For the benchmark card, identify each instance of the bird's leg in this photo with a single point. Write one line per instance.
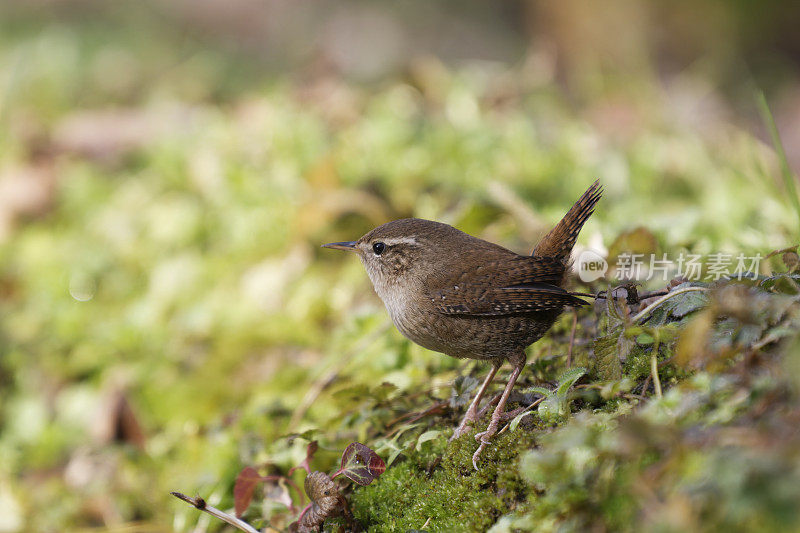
(497, 415)
(471, 416)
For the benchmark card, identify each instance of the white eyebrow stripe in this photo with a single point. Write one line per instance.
(400, 240)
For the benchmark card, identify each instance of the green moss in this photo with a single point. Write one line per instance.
(451, 496)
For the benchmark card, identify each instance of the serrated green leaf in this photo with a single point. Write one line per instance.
(572, 374)
(544, 391)
(659, 316)
(683, 304)
(606, 355)
(568, 379)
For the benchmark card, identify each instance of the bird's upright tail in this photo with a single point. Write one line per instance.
(559, 242)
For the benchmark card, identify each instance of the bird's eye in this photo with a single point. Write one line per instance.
(378, 248)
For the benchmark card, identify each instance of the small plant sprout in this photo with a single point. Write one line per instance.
(554, 403)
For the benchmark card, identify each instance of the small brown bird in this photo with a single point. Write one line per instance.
(468, 298)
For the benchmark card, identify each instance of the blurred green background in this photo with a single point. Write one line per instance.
(168, 170)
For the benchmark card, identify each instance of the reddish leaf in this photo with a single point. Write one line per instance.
(361, 464)
(243, 489)
(376, 465)
(310, 451)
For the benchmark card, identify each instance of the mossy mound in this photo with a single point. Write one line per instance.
(438, 488)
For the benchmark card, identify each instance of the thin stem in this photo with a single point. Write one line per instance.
(303, 512)
(654, 368)
(572, 338)
(201, 504)
(786, 171)
(646, 311)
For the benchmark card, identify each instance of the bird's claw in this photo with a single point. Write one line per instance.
(477, 454)
(483, 437)
(460, 430)
(470, 417)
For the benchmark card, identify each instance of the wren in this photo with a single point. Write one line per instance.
(468, 298)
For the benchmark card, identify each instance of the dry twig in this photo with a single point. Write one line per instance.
(201, 504)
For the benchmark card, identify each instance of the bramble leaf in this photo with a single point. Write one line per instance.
(607, 358)
(462, 389)
(685, 303)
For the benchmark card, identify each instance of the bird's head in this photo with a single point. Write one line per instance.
(401, 251)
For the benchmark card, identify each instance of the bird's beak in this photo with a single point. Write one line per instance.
(348, 246)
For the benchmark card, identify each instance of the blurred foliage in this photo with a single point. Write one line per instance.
(167, 316)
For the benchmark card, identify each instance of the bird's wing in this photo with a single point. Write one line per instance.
(508, 286)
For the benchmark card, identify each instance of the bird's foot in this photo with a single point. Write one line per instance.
(469, 419)
(483, 438)
(460, 430)
(472, 415)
